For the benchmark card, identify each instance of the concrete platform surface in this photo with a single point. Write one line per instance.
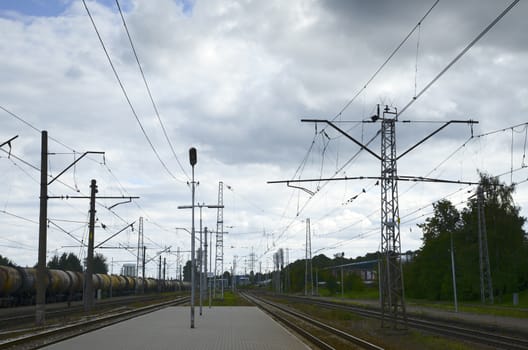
(226, 328)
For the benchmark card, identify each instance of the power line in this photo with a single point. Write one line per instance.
(462, 53)
(31, 125)
(126, 95)
(386, 61)
(148, 90)
(18, 216)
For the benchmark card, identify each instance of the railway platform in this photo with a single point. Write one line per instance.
(221, 327)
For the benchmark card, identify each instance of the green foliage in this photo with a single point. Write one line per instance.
(68, 262)
(429, 275)
(330, 279)
(6, 261)
(99, 264)
(187, 272)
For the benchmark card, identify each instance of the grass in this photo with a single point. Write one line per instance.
(231, 299)
(504, 308)
(367, 293)
(369, 329)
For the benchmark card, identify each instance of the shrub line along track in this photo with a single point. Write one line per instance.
(441, 328)
(268, 305)
(51, 336)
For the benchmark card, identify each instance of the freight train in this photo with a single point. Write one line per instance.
(18, 285)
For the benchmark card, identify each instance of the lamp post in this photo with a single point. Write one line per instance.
(203, 257)
(192, 160)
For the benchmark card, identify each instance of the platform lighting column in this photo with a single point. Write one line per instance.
(200, 288)
(205, 285)
(192, 160)
(210, 266)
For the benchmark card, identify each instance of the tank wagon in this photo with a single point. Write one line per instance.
(18, 285)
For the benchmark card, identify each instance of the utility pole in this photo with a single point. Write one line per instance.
(164, 270)
(178, 266)
(393, 301)
(486, 286)
(308, 260)
(390, 275)
(139, 254)
(206, 285)
(210, 267)
(342, 284)
(200, 289)
(143, 270)
(192, 160)
(40, 317)
(219, 259)
(42, 278)
(317, 281)
(159, 275)
(201, 256)
(233, 274)
(89, 292)
(453, 271)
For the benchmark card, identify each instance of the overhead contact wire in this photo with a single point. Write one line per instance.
(462, 53)
(148, 90)
(126, 95)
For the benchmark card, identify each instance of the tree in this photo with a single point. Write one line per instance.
(71, 262)
(67, 262)
(54, 262)
(6, 261)
(506, 238)
(429, 274)
(99, 264)
(187, 272)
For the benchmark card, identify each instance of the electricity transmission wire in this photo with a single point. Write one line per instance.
(127, 97)
(471, 44)
(364, 87)
(385, 62)
(462, 53)
(148, 89)
(406, 218)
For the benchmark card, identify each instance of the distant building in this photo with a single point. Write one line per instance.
(128, 270)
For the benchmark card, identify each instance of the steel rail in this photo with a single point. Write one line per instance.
(55, 335)
(28, 314)
(442, 328)
(341, 334)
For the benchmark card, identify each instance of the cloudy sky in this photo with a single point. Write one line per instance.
(234, 79)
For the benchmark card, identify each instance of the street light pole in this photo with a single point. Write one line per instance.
(200, 289)
(192, 159)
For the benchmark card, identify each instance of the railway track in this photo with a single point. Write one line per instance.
(16, 316)
(50, 336)
(287, 315)
(466, 333)
(13, 317)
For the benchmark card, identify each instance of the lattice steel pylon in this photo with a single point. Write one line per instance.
(392, 296)
(139, 255)
(486, 286)
(219, 256)
(391, 276)
(308, 272)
